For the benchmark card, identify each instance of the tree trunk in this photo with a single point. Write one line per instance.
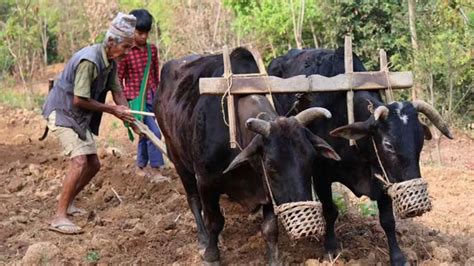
(436, 135)
(300, 24)
(315, 39)
(451, 85)
(416, 90)
(216, 25)
(295, 26)
(44, 40)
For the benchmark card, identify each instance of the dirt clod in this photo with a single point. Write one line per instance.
(34, 169)
(15, 185)
(442, 254)
(40, 253)
(19, 219)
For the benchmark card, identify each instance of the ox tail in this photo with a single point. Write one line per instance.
(45, 134)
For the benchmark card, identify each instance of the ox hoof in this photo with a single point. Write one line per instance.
(215, 263)
(203, 242)
(398, 260)
(211, 255)
(274, 262)
(332, 247)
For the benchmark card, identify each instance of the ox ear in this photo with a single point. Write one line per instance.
(245, 154)
(426, 131)
(356, 130)
(264, 116)
(323, 148)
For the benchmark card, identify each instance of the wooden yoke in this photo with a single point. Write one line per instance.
(348, 65)
(262, 72)
(229, 76)
(260, 83)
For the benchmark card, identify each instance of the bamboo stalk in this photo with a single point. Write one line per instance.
(141, 113)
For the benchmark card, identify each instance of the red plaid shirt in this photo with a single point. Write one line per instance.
(131, 69)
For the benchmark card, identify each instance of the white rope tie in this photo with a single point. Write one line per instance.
(386, 70)
(268, 185)
(383, 178)
(228, 78)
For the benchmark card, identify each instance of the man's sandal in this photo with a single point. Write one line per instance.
(63, 229)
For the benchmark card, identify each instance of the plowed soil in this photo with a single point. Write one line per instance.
(147, 222)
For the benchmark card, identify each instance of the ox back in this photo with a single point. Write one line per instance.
(196, 135)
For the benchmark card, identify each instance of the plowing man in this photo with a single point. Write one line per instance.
(74, 108)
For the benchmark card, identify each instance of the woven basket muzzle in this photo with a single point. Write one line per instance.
(302, 219)
(410, 198)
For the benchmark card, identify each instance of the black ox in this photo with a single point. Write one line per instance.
(395, 128)
(197, 140)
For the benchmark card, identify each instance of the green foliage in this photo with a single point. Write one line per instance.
(162, 14)
(340, 203)
(368, 208)
(443, 64)
(93, 256)
(6, 60)
(115, 125)
(20, 99)
(270, 23)
(372, 25)
(444, 28)
(446, 57)
(20, 37)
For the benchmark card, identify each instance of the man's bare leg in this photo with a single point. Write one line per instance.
(93, 167)
(77, 167)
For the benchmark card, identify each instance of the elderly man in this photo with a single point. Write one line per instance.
(74, 108)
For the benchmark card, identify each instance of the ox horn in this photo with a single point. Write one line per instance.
(307, 116)
(381, 112)
(259, 126)
(433, 116)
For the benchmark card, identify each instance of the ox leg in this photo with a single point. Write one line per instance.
(270, 233)
(190, 185)
(330, 212)
(387, 221)
(214, 221)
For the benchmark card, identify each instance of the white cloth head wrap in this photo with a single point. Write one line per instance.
(123, 25)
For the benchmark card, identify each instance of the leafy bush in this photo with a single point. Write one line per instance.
(340, 203)
(368, 208)
(92, 256)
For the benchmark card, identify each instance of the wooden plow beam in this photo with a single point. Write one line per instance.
(261, 83)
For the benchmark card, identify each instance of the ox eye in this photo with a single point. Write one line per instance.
(388, 146)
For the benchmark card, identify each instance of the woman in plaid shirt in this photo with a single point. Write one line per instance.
(130, 74)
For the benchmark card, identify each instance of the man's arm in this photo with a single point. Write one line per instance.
(119, 98)
(85, 73)
(122, 69)
(120, 111)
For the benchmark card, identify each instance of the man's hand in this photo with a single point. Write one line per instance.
(122, 112)
(137, 131)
